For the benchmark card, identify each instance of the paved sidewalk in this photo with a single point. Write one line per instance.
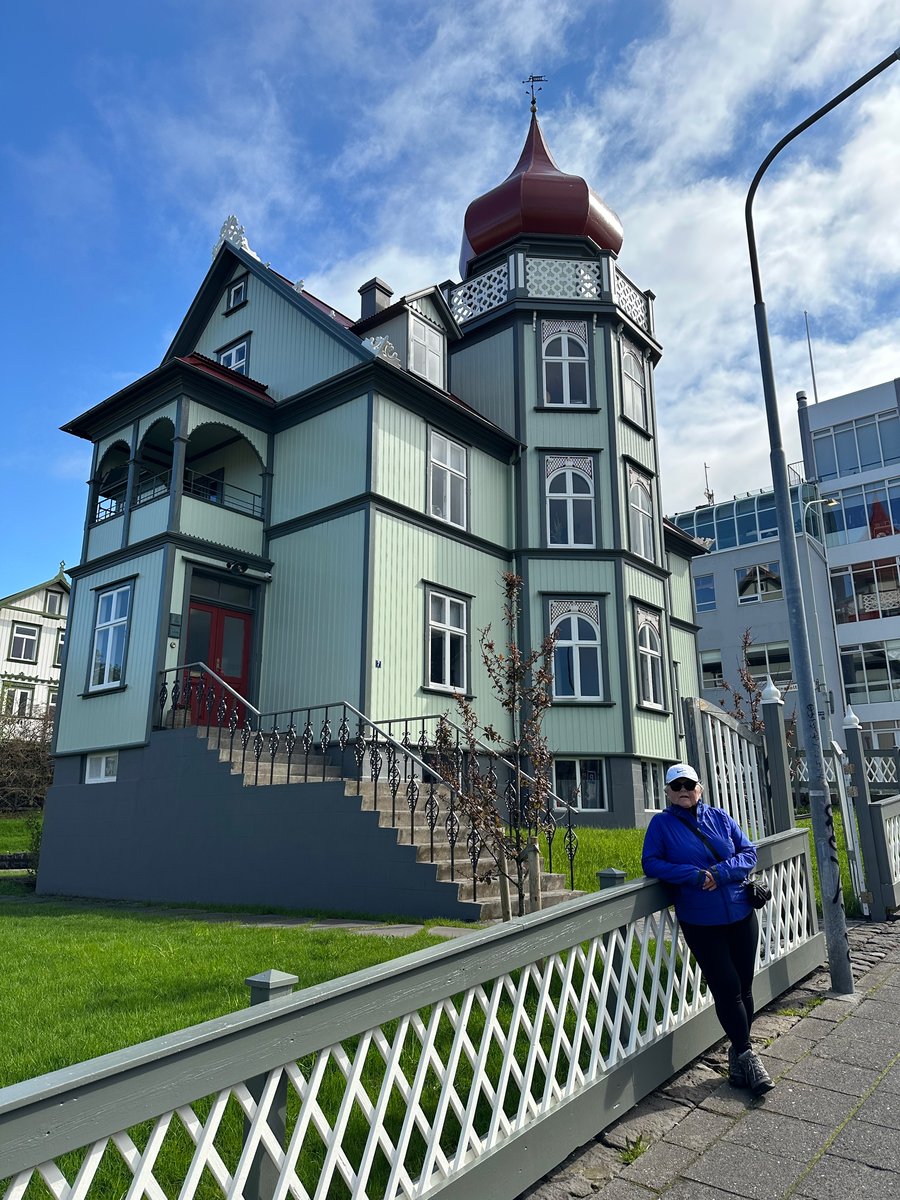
(828, 1131)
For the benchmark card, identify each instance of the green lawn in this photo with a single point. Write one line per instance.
(81, 983)
(13, 834)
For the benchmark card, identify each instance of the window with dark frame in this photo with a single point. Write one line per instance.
(237, 293)
(579, 782)
(17, 701)
(448, 469)
(53, 603)
(759, 582)
(23, 644)
(577, 665)
(634, 388)
(650, 672)
(640, 510)
(705, 593)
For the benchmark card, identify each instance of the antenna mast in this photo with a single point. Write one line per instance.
(710, 496)
(812, 365)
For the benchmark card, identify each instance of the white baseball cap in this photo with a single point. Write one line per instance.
(681, 771)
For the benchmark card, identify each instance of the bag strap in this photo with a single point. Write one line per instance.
(716, 857)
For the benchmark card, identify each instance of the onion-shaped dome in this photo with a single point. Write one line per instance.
(537, 198)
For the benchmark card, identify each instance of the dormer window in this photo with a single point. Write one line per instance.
(235, 356)
(426, 351)
(237, 294)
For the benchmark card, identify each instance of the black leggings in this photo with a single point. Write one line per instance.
(726, 954)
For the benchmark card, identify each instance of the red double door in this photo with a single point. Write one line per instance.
(220, 637)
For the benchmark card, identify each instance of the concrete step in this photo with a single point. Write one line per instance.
(280, 775)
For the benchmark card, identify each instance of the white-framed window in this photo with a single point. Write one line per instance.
(53, 603)
(101, 768)
(237, 293)
(650, 672)
(640, 514)
(426, 351)
(565, 362)
(770, 658)
(23, 644)
(653, 777)
(761, 581)
(711, 667)
(705, 593)
(579, 781)
(52, 703)
(236, 356)
(17, 701)
(447, 641)
(634, 388)
(60, 643)
(110, 637)
(577, 668)
(570, 501)
(447, 480)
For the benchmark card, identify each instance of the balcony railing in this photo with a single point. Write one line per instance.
(216, 491)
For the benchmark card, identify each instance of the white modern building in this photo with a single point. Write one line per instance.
(851, 444)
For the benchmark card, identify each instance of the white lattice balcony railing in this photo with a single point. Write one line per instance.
(399, 1080)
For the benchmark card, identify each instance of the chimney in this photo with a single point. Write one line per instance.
(376, 295)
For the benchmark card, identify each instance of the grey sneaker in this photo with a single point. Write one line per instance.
(736, 1075)
(758, 1079)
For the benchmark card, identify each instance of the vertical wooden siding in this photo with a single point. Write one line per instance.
(148, 520)
(483, 374)
(320, 461)
(201, 415)
(119, 719)
(105, 537)
(406, 559)
(212, 523)
(312, 641)
(289, 352)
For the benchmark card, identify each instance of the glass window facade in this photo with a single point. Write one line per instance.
(854, 446)
(871, 672)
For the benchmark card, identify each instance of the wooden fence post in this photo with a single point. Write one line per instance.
(263, 1177)
(777, 759)
(874, 858)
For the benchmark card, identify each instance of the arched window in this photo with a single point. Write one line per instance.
(565, 363)
(650, 675)
(640, 505)
(577, 673)
(634, 390)
(570, 502)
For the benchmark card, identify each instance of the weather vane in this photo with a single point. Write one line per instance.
(531, 81)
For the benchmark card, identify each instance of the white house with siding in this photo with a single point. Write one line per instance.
(32, 641)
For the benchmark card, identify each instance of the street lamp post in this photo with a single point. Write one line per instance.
(826, 502)
(819, 796)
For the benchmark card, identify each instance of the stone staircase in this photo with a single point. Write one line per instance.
(453, 867)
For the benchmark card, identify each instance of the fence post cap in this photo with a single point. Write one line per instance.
(771, 694)
(610, 877)
(851, 720)
(270, 985)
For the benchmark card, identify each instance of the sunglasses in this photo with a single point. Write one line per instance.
(684, 785)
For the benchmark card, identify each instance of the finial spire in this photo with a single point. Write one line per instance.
(531, 81)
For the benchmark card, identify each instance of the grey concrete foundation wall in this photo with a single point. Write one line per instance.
(178, 827)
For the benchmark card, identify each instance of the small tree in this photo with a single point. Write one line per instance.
(26, 768)
(746, 698)
(521, 680)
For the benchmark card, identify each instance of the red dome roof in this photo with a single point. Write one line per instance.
(537, 198)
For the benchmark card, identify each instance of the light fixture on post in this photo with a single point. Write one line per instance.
(819, 798)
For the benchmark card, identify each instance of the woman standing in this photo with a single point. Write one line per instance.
(706, 856)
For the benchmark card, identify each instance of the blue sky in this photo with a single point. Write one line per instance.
(349, 139)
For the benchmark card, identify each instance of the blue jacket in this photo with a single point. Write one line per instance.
(674, 854)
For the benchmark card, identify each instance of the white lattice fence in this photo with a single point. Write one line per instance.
(633, 301)
(397, 1081)
(892, 841)
(736, 777)
(480, 294)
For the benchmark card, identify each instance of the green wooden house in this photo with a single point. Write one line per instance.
(320, 508)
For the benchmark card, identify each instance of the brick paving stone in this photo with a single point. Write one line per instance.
(728, 1101)
(552, 1189)
(811, 1029)
(621, 1189)
(809, 1103)
(751, 1174)
(790, 1047)
(699, 1129)
(688, 1189)
(653, 1117)
(873, 1008)
(832, 1076)
(659, 1165)
(881, 1108)
(834, 1178)
(833, 1009)
(692, 1084)
(760, 1130)
(875, 1145)
(840, 1047)
(595, 1162)
(891, 1081)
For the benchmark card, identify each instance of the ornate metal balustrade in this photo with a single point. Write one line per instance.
(422, 732)
(417, 779)
(471, 1068)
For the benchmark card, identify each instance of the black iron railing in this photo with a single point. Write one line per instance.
(215, 491)
(510, 782)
